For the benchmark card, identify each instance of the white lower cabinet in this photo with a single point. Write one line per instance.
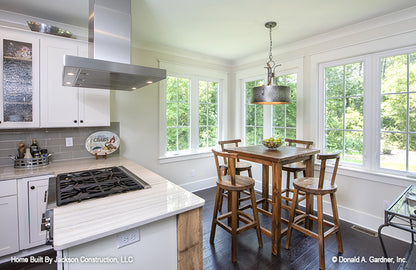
(9, 234)
(33, 195)
(155, 248)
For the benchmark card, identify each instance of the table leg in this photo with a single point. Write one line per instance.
(382, 243)
(276, 207)
(265, 187)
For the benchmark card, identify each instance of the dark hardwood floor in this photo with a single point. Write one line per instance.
(303, 253)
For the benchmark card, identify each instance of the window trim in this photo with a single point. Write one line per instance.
(193, 73)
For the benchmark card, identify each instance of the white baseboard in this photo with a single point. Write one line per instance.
(200, 184)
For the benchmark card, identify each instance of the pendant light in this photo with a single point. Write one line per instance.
(271, 94)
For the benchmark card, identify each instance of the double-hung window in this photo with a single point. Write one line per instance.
(178, 114)
(190, 110)
(398, 112)
(344, 97)
(369, 110)
(254, 124)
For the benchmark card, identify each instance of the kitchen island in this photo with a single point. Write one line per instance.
(166, 219)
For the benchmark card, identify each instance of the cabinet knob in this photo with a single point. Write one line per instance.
(81, 121)
(32, 187)
(75, 121)
(0, 122)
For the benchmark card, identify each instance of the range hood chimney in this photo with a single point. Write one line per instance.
(108, 65)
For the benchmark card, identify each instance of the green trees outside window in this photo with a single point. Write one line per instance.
(254, 125)
(398, 112)
(284, 116)
(178, 118)
(208, 114)
(344, 99)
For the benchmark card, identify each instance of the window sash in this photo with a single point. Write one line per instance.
(342, 96)
(255, 127)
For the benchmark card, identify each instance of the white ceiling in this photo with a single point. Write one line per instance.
(229, 29)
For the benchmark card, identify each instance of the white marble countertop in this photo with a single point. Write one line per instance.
(78, 223)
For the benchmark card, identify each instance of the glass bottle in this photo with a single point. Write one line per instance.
(34, 147)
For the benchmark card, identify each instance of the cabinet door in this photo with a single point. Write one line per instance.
(59, 104)
(94, 104)
(9, 234)
(37, 206)
(19, 80)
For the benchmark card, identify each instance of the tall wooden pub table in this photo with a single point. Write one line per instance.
(275, 158)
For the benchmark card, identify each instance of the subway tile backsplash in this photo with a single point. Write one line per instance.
(52, 139)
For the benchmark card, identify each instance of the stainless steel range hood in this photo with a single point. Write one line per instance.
(108, 65)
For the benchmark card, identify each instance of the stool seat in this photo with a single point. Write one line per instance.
(311, 185)
(242, 166)
(241, 183)
(294, 167)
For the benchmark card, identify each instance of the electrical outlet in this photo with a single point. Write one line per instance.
(128, 237)
(69, 142)
(192, 172)
(386, 204)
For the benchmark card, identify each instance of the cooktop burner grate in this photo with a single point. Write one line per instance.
(83, 185)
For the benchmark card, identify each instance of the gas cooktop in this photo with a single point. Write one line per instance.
(83, 185)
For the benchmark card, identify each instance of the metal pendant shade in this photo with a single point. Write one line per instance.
(270, 94)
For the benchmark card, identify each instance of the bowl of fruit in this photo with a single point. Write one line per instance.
(272, 143)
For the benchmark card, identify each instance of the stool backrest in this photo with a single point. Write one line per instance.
(231, 164)
(307, 144)
(324, 158)
(223, 143)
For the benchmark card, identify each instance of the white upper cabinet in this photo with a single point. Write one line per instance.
(31, 91)
(68, 106)
(19, 80)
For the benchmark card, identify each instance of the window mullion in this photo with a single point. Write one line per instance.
(177, 114)
(408, 113)
(343, 115)
(194, 111)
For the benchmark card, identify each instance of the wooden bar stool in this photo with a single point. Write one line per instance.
(234, 184)
(240, 166)
(317, 187)
(294, 168)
